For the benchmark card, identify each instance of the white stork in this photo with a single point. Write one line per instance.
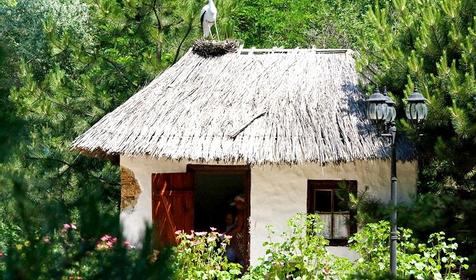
(208, 18)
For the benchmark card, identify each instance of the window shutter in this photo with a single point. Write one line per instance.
(172, 205)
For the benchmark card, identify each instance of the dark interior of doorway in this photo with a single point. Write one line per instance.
(214, 192)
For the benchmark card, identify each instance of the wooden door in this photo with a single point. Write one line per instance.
(172, 205)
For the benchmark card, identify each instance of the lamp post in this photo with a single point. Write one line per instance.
(381, 110)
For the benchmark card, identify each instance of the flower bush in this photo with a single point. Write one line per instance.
(202, 255)
(67, 253)
(299, 253)
(435, 260)
(106, 242)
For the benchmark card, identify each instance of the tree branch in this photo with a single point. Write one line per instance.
(159, 30)
(50, 159)
(118, 68)
(189, 29)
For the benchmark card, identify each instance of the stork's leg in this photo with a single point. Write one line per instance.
(216, 29)
(210, 31)
(206, 30)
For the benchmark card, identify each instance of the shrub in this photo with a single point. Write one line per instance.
(67, 254)
(202, 255)
(435, 260)
(297, 253)
(300, 253)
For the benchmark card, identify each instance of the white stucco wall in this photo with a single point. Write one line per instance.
(277, 192)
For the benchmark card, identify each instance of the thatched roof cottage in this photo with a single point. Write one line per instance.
(283, 129)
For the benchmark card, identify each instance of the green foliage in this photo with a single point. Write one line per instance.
(73, 250)
(298, 253)
(304, 23)
(430, 45)
(67, 64)
(10, 124)
(202, 255)
(435, 260)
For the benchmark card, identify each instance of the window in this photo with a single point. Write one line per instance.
(330, 199)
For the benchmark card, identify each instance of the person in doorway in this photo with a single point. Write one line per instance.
(238, 244)
(229, 221)
(229, 225)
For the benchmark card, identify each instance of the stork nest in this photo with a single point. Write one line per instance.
(207, 48)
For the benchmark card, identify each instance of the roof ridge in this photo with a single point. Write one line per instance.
(284, 50)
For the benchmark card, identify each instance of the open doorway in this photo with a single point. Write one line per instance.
(216, 188)
(214, 194)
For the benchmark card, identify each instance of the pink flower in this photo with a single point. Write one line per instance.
(105, 237)
(213, 228)
(67, 227)
(2, 254)
(106, 242)
(202, 233)
(46, 239)
(177, 232)
(128, 245)
(210, 239)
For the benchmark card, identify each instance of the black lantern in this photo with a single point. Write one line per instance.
(377, 107)
(381, 109)
(416, 109)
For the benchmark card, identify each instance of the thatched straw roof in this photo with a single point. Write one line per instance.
(252, 106)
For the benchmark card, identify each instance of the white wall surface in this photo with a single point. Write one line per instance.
(277, 192)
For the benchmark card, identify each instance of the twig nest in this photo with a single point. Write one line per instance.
(207, 48)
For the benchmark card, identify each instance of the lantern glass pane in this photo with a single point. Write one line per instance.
(407, 111)
(411, 112)
(425, 111)
(391, 114)
(381, 111)
(422, 111)
(372, 111)
(414, 112)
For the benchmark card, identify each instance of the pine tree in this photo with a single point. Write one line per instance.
(69, 63)
(430, 45)
(74, 62)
